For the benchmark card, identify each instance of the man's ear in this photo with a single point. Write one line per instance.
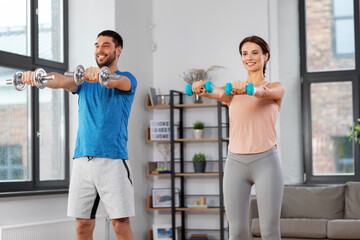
(118, 51)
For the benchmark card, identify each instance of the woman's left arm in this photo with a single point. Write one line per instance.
(273, 90)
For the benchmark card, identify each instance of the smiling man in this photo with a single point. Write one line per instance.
(101, 169)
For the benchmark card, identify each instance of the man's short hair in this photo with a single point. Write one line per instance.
(117, 39)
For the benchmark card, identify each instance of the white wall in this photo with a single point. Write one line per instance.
(289, 74)
(198, 34)
(133, 20)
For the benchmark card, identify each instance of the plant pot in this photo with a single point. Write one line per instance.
(198, 133)
(199, 167)
(197, 99)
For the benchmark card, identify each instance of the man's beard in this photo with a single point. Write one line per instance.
(108, 62)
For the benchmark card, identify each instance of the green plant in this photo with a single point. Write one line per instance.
(195, 74)
(355, 132)
(199, 125)
(199, 157)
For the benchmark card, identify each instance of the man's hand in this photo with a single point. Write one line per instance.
(28, 78)
(92, 74)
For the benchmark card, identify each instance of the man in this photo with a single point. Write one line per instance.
(101, 167)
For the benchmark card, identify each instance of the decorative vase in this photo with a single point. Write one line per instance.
(198, 133)
(197, 99)
(199, 167)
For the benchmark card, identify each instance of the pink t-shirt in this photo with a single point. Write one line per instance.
(252, 124)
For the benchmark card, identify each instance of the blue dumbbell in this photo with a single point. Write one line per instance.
(208, 87)
(249, 89)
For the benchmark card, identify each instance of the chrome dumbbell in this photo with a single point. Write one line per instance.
(78, 74)
(105, 76)
(16, 81)
(41, 78)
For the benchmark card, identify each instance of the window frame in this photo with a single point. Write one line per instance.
(307, 78)
(35, 186)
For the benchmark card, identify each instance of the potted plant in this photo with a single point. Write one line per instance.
(198, 129)
(195, 74)
(199, 161)
(355, 132)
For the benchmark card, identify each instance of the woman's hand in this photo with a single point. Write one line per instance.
(238, 88)
(198, 87)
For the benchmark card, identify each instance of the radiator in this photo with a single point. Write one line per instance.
(49, 230)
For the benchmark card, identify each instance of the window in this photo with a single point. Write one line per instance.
(343, 26)
(34, 122)
(330, 44)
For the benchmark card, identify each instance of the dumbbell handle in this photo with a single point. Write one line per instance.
(9, 82)
(114, 77)
(69, 74)
(48, 77)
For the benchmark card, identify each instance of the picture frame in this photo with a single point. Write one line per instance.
(152, 96)
(161, 197)
(162, 232)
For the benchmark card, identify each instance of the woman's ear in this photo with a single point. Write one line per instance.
(266, 57)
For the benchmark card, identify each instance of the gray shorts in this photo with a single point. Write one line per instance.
(95, 178)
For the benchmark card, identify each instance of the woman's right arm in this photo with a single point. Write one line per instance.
(217, 94)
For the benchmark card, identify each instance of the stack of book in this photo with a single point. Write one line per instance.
(198, 237)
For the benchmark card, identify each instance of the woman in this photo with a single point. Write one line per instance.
(253, 156)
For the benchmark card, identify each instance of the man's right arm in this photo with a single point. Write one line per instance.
(59, 81)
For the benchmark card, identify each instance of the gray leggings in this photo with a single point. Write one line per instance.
(241, 172)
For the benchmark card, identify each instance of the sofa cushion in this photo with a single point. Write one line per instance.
(343, 229)
(296, 228)
(313, 202)
(352, 200)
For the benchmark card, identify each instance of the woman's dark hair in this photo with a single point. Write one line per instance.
(259, 41)
(117, 39)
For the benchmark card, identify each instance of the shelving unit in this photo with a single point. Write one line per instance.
(179, 162)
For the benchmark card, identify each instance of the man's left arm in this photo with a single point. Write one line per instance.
(123, 84)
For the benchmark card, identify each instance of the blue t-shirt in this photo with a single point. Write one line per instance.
(103, 119)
